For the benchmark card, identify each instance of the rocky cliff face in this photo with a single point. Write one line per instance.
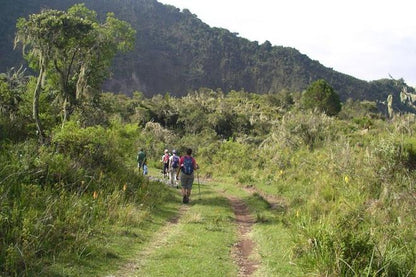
(404, 102)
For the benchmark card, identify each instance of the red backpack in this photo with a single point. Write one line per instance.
(166, 158)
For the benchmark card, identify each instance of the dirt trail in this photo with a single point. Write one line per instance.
(243, 249)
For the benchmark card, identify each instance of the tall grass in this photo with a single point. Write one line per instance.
(348, 186)
(350, 191)
(56, 200)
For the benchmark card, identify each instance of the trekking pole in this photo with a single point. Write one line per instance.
(199, 186)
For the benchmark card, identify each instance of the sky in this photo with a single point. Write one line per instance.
(367, 39)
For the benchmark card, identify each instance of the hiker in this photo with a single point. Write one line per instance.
(187, 167)
(173, 168)
(141, 159)
(145, 169)
(165, 163)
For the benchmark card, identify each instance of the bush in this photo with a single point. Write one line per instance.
(56, 198)
(322, 97)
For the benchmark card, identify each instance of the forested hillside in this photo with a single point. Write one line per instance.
(176, 52)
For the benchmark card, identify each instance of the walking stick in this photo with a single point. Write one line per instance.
(199, 186)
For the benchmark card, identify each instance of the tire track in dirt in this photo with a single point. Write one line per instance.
(159, 240)
(243, 249)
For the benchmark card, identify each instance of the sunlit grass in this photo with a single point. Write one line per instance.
(198, 245)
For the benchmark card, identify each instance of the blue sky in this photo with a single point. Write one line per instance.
(367, 39)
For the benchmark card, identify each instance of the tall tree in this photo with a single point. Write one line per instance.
(321, 96)
(71, 50)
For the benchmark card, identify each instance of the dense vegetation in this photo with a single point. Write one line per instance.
(71, 51)
(345, 183)
(176, 52)
(344, 180)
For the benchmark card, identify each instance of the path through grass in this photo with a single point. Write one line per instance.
(198, 244)
(201, 239)
(270, 234)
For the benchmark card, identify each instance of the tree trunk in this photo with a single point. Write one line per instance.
(64, 75)
(65, 109)
(81, 83)
(36, 96)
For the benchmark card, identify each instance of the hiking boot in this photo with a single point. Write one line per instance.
(184, 199)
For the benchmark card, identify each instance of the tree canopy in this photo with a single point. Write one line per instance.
(72, 51)
(321, 96)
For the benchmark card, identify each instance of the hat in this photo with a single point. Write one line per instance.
(174, 151)
(166, 150)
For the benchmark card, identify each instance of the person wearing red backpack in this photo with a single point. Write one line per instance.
(165, 163)
(187, 167)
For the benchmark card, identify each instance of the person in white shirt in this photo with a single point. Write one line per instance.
(173, 168)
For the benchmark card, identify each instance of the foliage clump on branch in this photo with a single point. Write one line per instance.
(322, 97)
(72, 52)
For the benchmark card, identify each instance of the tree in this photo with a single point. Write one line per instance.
(72, 51)
(12, 86)
(321, 96)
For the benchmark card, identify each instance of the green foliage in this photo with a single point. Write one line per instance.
(348, 208)
(301, 129)
(322, 97)
(12, 86)
(360, 111)
(13, 118)
(72, 52)
(346, 184)
(56, 199)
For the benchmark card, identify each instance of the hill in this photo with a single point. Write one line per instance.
(176, 52)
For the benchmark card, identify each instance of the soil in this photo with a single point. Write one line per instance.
(245, 246)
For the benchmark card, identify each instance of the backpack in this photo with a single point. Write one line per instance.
(175, 161)
(188, 166)
(141, 156)
(166, 158)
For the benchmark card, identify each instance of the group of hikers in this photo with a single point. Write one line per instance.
(175, 168)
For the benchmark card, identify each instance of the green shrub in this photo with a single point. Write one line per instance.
(322, 97)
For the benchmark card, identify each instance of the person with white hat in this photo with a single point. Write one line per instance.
(165, 163)
(173, 167)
